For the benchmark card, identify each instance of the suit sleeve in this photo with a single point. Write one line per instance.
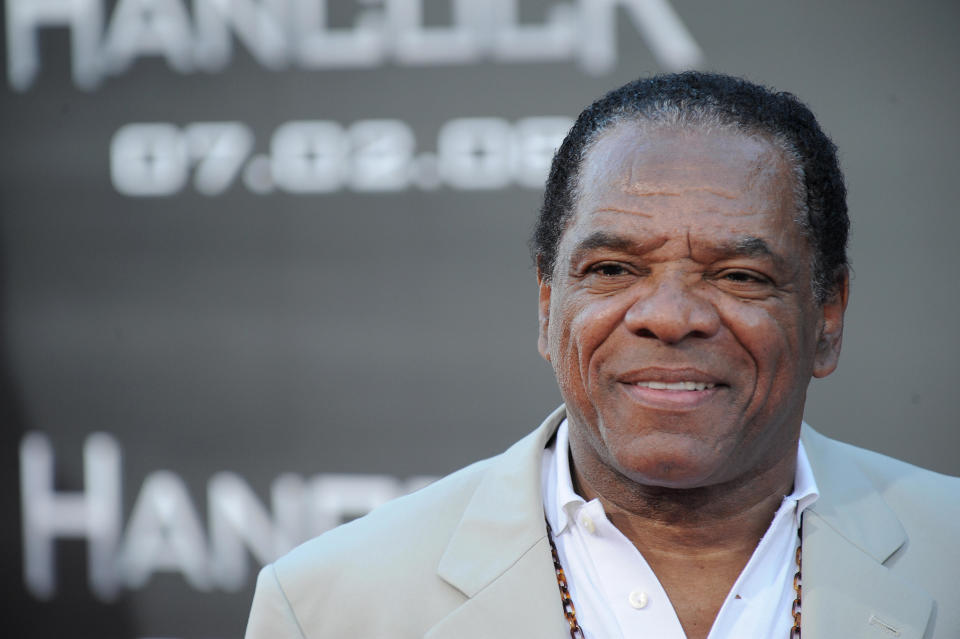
(271, 616)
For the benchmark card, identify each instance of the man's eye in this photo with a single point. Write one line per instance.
(743, 277)
(609, 269)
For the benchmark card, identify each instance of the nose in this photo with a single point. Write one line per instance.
(670, 310)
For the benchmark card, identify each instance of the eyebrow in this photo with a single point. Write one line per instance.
(751, 246)
(745, 246)
(604, 240)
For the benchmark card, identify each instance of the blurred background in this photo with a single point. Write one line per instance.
(264, 262)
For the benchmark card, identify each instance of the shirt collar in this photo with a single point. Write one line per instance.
(566, 500)
(561, 501)
(805, 490)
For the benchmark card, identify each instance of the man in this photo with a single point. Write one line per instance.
(692, 271)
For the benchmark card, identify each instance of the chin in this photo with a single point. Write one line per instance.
(668, 475)
(676, 469)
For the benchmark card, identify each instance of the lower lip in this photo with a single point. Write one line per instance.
(674, 399)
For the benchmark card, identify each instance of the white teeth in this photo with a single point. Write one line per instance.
(688, 386)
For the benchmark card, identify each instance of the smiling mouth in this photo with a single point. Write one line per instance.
(672, 390)
(677, 386)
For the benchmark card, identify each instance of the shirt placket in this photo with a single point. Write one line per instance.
(632, 592)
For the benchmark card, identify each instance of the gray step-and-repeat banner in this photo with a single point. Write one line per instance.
(264, 262)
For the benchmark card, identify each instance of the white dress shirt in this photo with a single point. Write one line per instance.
(615, 592)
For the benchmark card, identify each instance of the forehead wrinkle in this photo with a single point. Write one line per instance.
(635, 189)
(615, 209)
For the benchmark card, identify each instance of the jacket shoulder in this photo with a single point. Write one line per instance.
(907, 488)
(423, 517)
(365, 578)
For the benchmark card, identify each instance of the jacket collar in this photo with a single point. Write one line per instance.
(499, 555)
(850, 503)
(507, 507)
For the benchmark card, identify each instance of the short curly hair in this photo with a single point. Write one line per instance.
(712, 101)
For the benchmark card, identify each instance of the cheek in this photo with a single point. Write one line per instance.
(577, 339)
(774, 336)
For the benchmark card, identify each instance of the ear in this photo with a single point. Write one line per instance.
(543, 315)
(831, 330)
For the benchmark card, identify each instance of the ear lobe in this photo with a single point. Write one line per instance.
(831, 330)
(543, 316)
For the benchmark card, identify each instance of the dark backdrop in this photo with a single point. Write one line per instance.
(284, 276)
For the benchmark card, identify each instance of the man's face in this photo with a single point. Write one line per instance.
(680, 318)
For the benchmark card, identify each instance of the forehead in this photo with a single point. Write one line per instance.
(707, 179)
(639, 159)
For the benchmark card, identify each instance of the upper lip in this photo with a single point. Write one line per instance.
(669, 375)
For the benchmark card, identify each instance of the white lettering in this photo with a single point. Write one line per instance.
(382, 154)
(149, 159)
(460, 43)
(93, 514)
(320, 47)
(164, 534)
(555, 40)
(476, 153)
(664, 32)
(280, 32)
(219, 150)
(309, 156)
(154, 159)
(84, 18)
(238, 521)
(149, 27)
(259, 25)
(538, 139)
(666, 35)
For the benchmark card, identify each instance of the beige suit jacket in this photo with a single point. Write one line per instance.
(468, 557)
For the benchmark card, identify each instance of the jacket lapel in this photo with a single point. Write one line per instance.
(499, 556)
(848, 534)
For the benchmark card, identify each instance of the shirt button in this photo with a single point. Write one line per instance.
(588, 524)
(638, 599)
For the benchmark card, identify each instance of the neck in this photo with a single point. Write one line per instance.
(708, 532)
(731, 516)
